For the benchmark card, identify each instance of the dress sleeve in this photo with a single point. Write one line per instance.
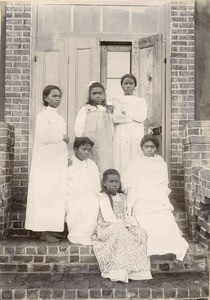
(47, 132)
(119, 116)
(139, 112)
(80, 121)
(106, 209)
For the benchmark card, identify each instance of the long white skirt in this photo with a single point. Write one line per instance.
(164, 235)
(46, 193)
(126, 142)
(81, 218)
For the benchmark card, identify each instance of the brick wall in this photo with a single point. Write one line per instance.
(182, 87)
(196, 153)
(17, 88)
(201, 195)
(6, 172)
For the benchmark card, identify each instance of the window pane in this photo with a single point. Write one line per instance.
(56, 18)
(144, 19)
(116, 19)
(118, 64)
(86, 18)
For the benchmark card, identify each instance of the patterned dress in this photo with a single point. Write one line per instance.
(120, 251)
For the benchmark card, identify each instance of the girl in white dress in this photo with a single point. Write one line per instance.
(82, 188)
(120, 248)
(129, 114)
(94, 121)
(145, 182)
(45, 211)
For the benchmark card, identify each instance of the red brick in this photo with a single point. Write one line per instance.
(19, 294)
(32, 294)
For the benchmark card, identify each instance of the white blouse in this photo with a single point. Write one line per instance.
(50, 126)
(82, 117)
(106, 208)
(129, 109)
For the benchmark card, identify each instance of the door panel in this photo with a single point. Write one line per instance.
(150, 69)
(84, 66)
(50, 68)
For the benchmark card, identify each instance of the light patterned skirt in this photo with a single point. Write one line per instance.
(121, 252)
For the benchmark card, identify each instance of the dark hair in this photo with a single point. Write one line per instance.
(104, 178)
(129, 76)
(148, 138)
(47, 91)
(82, 141)
(95, 85)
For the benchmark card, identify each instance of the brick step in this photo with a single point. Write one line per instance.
(92, 286)
(35, 256)
(17, 223)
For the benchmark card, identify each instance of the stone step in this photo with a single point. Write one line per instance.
(17, 223)
(35, 256)
(92, 286)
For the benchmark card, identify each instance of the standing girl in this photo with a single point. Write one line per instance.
(120, 248)
(46, 193)
(94, 121)
(129, 114)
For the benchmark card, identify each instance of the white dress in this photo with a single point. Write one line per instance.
(120, 251)
(82, 207)
(146, 183)
(129, 114)
(46, 192)
(96, 124)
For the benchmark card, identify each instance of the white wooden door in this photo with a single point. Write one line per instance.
(84, 66)
(51, 63)
(149, 67)
(50, 67)
(70, 64)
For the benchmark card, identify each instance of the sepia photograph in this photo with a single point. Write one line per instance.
(105, 149)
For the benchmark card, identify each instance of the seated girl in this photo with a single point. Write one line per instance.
(120, 248)
(83, 186)
(145, 182)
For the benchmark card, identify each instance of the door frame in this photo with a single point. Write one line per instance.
(167, 87)
(32, 102)
(114, 47)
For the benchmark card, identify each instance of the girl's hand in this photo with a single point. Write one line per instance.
(110, 108)
(69, 162)
(66, 138)
(127, 225)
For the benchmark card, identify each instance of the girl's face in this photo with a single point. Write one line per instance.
(149, 149)
(83, 151)
(54, 98)
(97, 95)
(112, 183)
(128, 86)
